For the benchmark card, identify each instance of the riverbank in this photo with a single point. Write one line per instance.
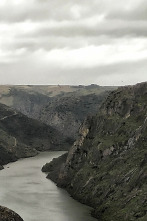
(8, 215)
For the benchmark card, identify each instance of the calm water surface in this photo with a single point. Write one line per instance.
(25, 189)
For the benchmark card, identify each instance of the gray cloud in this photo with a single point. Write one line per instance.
(137, 13)
(73, 41)
(112, 29)
(39, 10)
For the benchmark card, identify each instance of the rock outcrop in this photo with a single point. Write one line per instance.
(1, 167)
(107, 166)
(8, 215)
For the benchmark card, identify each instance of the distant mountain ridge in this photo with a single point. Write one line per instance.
(62, 107)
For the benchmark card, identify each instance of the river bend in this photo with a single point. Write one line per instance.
(25, 189)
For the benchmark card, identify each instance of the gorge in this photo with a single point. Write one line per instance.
(22, 136)
(106, 164)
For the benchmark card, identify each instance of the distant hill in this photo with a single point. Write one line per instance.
(53, 90)
(62, 107)
(21, 136)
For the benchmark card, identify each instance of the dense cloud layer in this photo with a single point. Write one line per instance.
(73, 42)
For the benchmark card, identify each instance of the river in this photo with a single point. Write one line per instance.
(25, 189)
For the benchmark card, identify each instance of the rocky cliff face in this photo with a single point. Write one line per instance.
(62, 107)
(66, 114)
(8, 215)
(21, 136)
(107, 166)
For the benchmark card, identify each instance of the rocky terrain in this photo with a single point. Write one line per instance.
(21, 136)
(66, 114)
(106, 167)
(8, 215)
(56, 105)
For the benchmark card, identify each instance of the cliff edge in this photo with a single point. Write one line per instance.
(106, 167)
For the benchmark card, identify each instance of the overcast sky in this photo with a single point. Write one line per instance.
(73, 41)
